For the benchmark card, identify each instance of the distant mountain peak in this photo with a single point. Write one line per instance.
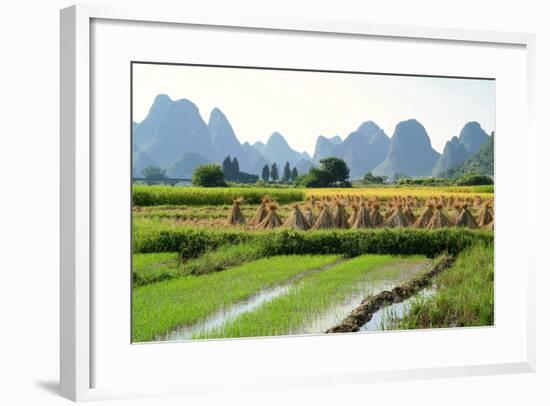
(276, 149)
(185, 103)
(276, 137)
(324, 146)
(144, 132)
(472, 125)
(365, 131)
(412, 129)
(453, 154)
(368, 127)
(276, 140)
(363, 149)
(225, 142)
(220, 130)
(162, 98)
(217, 114)
(177, 128)
(473, 136)
(410, 151)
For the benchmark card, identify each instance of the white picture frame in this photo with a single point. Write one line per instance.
(77, 283)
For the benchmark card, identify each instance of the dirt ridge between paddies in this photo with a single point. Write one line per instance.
(364, 312)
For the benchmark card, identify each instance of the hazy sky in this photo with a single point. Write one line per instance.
(303, 105)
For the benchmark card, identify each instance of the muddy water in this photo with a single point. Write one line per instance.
(219, 318)
(386, 315)
(230, 313)
(333, 316)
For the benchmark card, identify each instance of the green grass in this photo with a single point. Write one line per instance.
(224, 257)
(164, 236)
(207, 250)
(145, 195)
(156, 267)
(160, 307)
(314, 294)
(480, 189)
(465, 295)
(160, 236)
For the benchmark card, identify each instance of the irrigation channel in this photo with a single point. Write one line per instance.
(385, 315)
(398, 299)
(350, 315)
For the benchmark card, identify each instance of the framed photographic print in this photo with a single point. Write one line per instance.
(252, 201)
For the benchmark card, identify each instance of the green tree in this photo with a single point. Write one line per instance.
(473, 179)
(153, 174)
(370, 179)
(227, 167)
(287, 173)
(265, 173)
(209, 175)
(235, 167)
(337, 168)
(231, 168)
(398, 177)
(316, 177)
(274, 172)
(294, 174)
(482, 162)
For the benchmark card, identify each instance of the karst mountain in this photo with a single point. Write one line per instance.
(174, 136)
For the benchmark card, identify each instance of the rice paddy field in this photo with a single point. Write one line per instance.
(247, 262)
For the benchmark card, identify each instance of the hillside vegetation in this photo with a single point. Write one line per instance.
(481, 162)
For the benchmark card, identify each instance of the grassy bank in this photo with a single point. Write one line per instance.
(314, 295)
(465, 294)
(160, 307)
(144, 195)
(156, 267)
(159, 236)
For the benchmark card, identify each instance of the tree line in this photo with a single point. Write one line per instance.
(214, 175)
(332, 172)
(271, 173)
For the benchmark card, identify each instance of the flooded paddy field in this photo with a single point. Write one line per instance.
(281, 296)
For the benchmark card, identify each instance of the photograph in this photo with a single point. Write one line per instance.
(275, 201)
(243, 203)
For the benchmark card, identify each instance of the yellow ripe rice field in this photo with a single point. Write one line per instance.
(414, 191)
